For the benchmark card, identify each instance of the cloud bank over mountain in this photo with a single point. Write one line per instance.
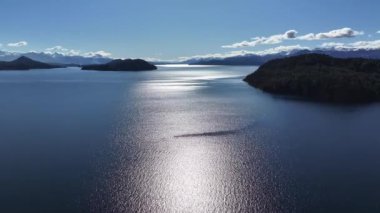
(292, 35)
(359, 45)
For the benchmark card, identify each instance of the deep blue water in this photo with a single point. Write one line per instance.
(180, 139)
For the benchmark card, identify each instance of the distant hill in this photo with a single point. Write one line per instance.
(320, 77)
(257, 60)
(122, 65)
(24, 63)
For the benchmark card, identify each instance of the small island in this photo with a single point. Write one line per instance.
(321, 78)
(25, 63)
(122, 65)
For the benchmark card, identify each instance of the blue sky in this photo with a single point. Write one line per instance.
(168, 29)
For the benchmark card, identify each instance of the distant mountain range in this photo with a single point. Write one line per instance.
(55, 58)
(242, 60)
(257, 60)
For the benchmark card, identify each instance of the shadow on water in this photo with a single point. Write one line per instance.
(214, 133)
(208, 134)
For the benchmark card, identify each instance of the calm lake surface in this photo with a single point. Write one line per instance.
(180, 139)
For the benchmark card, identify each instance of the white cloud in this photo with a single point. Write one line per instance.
(61, 50)
(217, 55)
(378, 31)
(279, 49)
(359, 45)
(100, 53)
(155, 59)
(339, 33)
(274, 39)
(291, 34)
(331, 44)
(18, 44)
(71, 52)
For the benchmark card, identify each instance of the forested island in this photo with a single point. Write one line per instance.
(321, 78)
(122, 65)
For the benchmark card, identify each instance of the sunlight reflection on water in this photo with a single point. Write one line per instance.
(177, 152)
(175, 86)
(191, 81)
(184, 66)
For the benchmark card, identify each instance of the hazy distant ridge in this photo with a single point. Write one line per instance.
(256, 60)
(55, 58)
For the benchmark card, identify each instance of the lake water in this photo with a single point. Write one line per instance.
(180, 139)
